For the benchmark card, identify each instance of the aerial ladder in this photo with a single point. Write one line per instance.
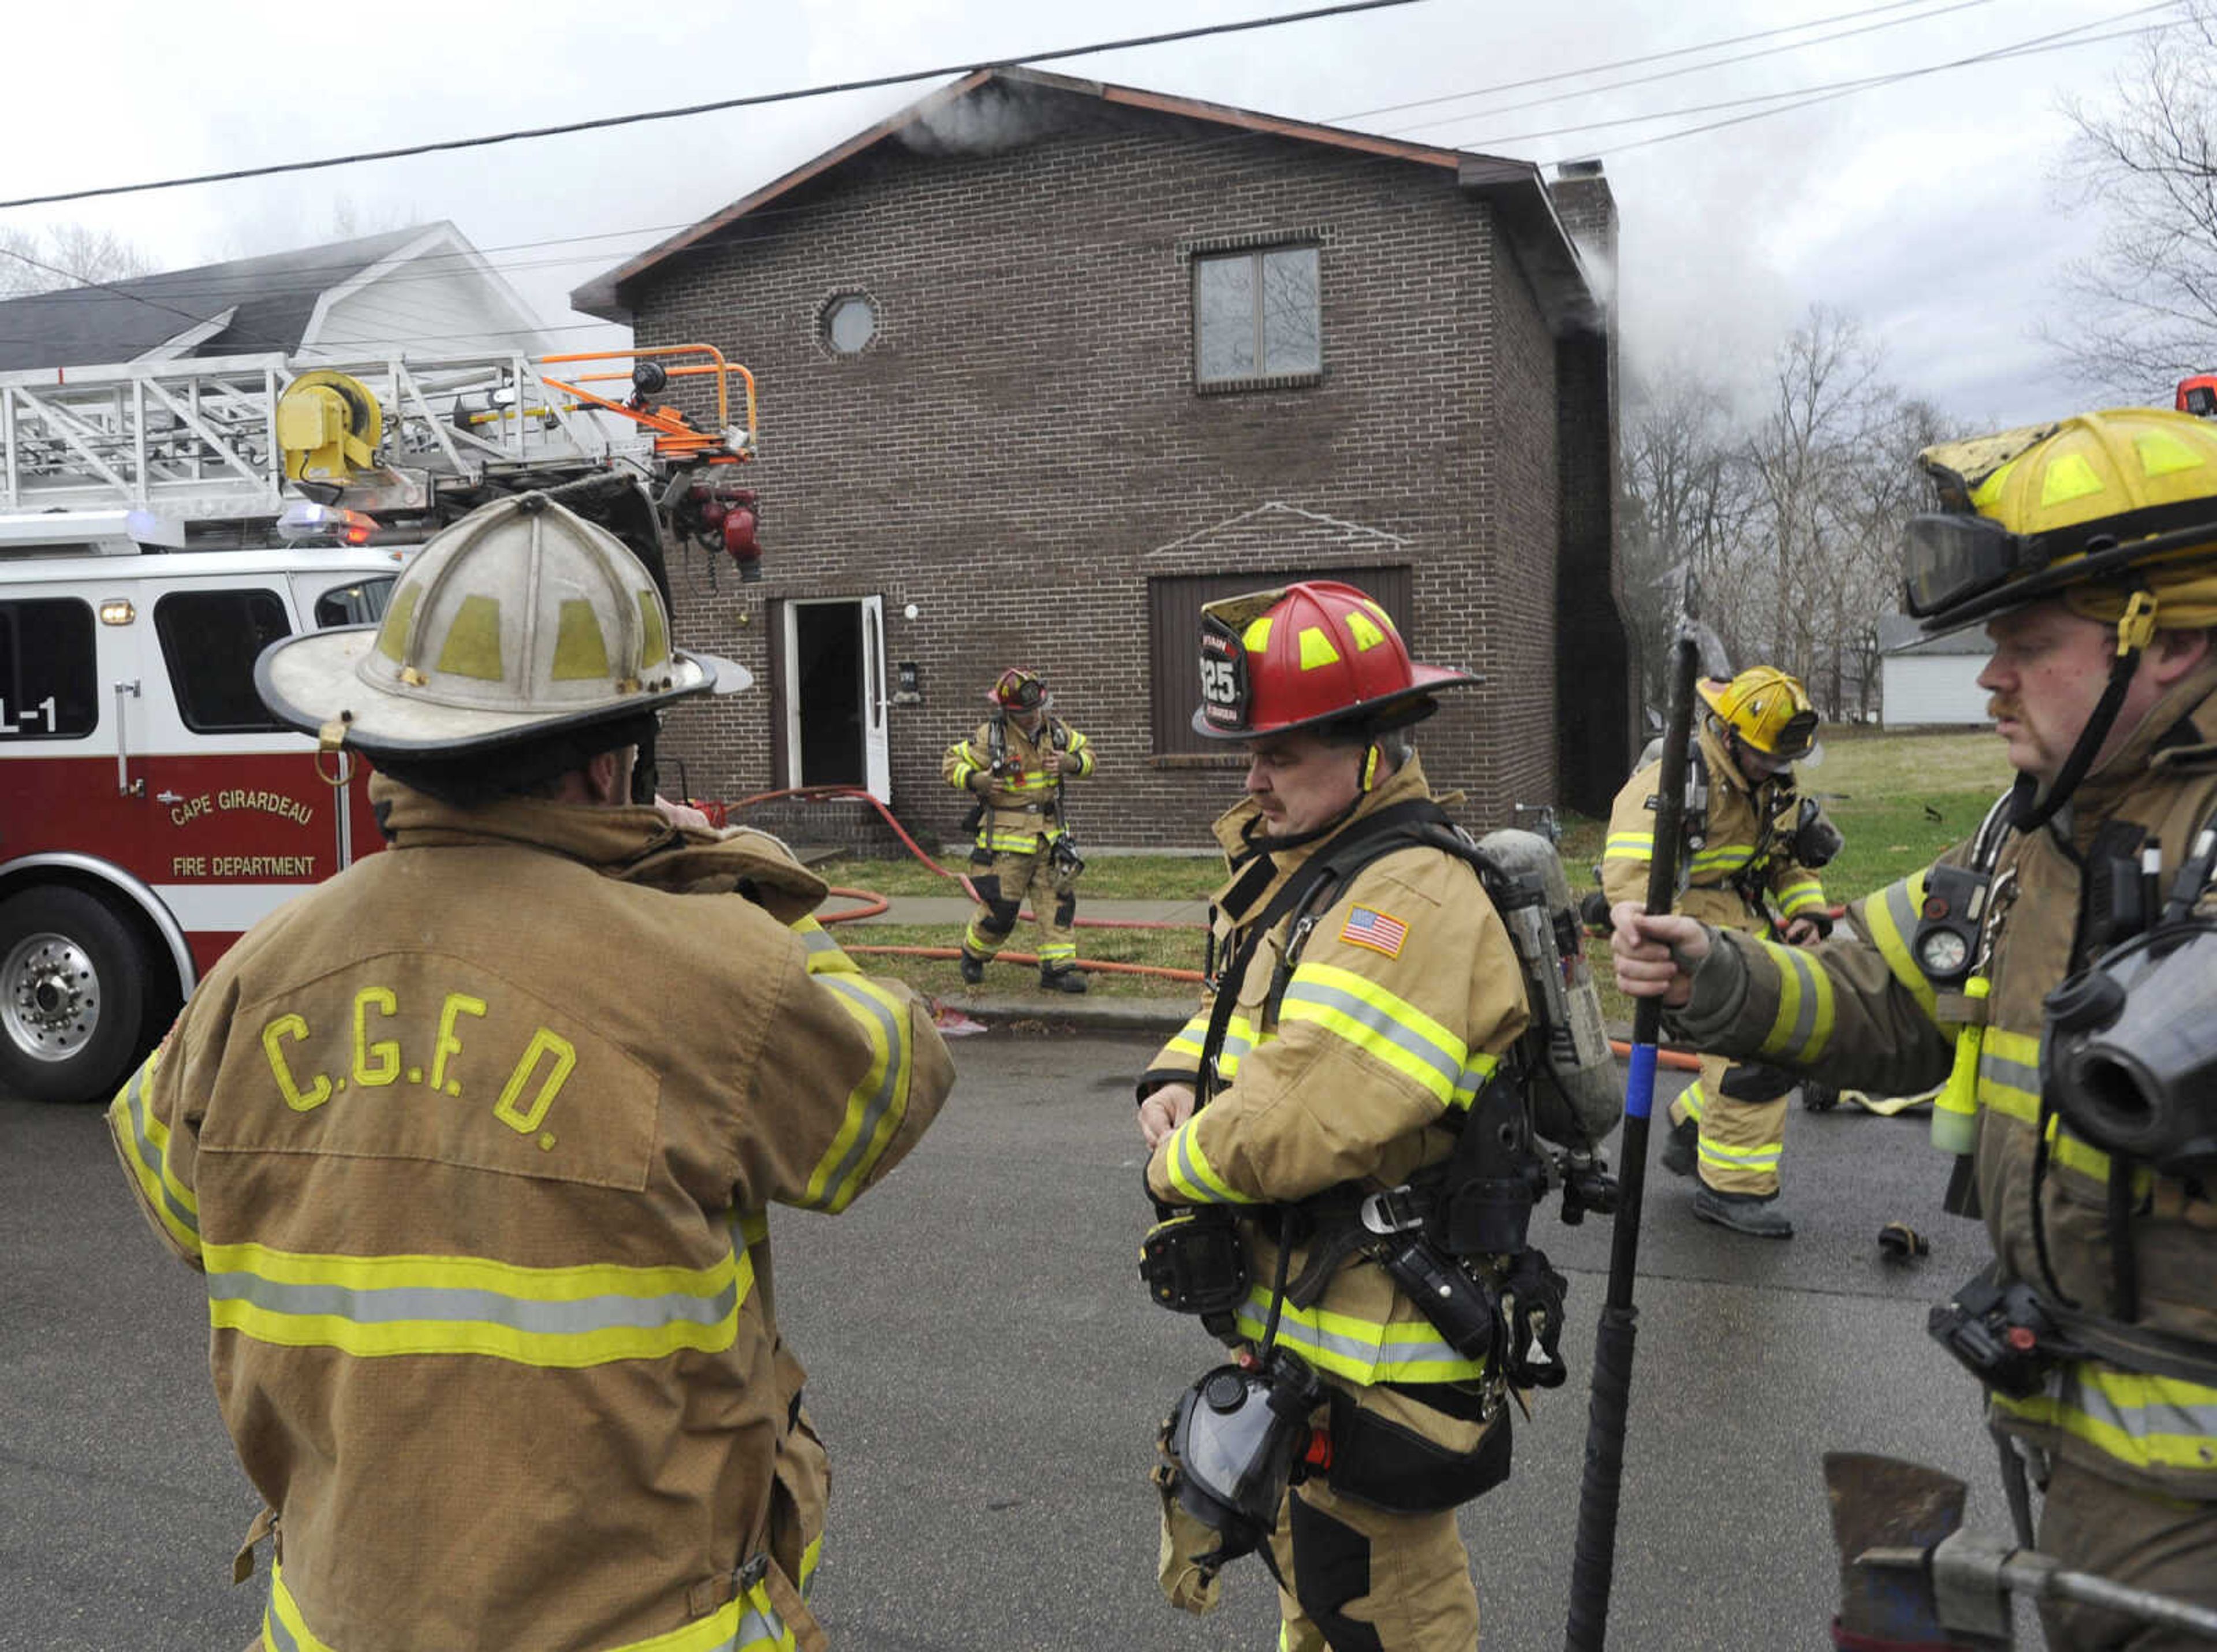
(254, 450)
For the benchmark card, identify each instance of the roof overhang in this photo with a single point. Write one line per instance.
(1519, 196)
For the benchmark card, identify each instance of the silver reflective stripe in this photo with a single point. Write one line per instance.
(1379, 1023)
(1356, 1350)
(889, 1081)
(280, 1637)
(2015, 1075)
(818, 940)
(143, 1148)
(453, 1305)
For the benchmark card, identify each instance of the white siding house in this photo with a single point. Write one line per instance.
(1930, 682)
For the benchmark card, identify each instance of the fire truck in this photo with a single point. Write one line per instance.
(163, 523)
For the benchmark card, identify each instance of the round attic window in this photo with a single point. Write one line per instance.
(849, 324)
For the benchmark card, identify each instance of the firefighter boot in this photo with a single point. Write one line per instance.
(1753, 1214)
(1068, 978)
(974, 969)
(1678, 1147)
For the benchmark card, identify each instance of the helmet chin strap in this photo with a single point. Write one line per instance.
(2029, 810)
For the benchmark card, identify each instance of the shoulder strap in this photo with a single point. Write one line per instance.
(1353, 846)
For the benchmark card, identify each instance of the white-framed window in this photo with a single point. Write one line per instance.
(1256, 314)
(851, 321)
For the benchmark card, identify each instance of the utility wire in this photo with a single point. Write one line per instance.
(216, 284)
(1647, 57)
(2038, 46)
(1346, 8)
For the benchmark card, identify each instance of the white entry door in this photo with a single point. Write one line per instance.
(837, 694)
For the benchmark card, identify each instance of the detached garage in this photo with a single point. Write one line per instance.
(1930, 683)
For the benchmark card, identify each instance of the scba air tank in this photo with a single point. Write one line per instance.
(1577, 1099)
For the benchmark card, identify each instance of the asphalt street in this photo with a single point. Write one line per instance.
(990, 1377)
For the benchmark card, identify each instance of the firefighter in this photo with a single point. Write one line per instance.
(2088, 548)
(475, 1143)
(1015, 765)
(1348, 1078)
(1739, 857)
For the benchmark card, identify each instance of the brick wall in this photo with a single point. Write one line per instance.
(1021, 444)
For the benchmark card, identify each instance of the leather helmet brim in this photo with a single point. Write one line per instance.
(310, 681)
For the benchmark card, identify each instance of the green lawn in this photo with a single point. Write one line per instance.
(1175, 950)
(1899, 799)
(1107, 877)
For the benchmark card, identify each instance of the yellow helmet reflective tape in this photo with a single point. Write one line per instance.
(1766, 708)
(518, 620)
(2051, 508)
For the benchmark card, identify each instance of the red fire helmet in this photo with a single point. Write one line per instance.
(1018, 689)
(1318, 652)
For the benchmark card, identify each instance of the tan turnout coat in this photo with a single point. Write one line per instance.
(476, 1144)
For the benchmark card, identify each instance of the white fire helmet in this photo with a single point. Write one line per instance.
(521, 621)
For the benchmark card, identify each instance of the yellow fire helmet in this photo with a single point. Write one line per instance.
(2092, 508)
(1765, 707)
(520, 621)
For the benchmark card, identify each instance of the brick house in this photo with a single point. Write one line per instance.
(1045, 363)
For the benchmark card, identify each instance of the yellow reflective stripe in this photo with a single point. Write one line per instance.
(1629, 845)
(1011, 843)
(563, 1318)
(2009, 1083)
(2147, 1422)
(1799, 895)
(147, 1142)
(1803, 1025)
(282, 1628)
(1384, 1027)
(960, 773)
(824, 957)
(1724, 858)
(1191, 1173)
(1892, 915)
(877, 1104)
(1477, 1073)
(811, 1557)
(749, 1623)
(1725, 1157)
(1691, 1095)
(1360, 1350)
(1186, 1041)
(753, 1226)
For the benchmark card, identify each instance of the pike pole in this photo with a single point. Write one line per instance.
(1593, 1562)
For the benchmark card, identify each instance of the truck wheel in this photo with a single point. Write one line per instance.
(73, 981)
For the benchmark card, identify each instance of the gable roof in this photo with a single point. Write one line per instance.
(1515, 186)
(239, 307)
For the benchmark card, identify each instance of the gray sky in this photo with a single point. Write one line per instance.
(1924, 208)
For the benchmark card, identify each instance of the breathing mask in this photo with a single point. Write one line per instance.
(2130, 1056)
(1239, 1437)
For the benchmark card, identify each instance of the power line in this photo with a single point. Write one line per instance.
(1692, 68)
(1645, 58)
(215, 285)
(1344, 8)
(2061, 41)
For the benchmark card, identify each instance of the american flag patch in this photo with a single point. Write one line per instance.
(1375, 931)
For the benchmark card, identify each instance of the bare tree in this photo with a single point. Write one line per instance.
(1686, 506)
(66, 255)
(1792, 520)
(2143, 307)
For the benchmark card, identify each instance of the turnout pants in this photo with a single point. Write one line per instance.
(2093, 1523)
(1370, 1581)
(1741, 1114)
(1003, 883)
